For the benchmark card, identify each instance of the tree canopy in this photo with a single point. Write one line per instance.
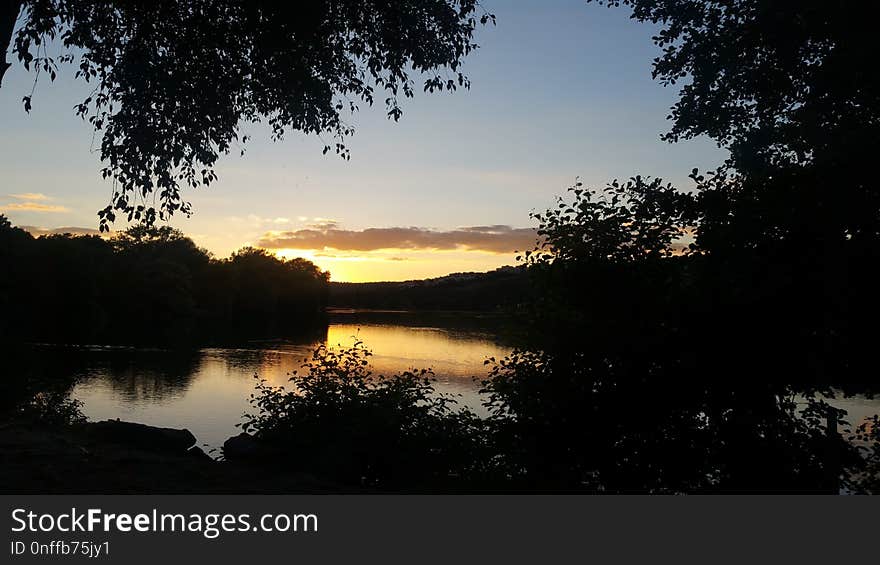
(175, 80)
(151, 286)
(792, 90)
(779, 80)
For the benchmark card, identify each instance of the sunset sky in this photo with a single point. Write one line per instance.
(559, 90)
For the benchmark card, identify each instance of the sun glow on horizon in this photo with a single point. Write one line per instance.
(387, 265)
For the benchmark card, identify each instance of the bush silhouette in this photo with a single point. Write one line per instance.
(340, 420)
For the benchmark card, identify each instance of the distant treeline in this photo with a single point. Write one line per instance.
(149, 286)
(496, 290)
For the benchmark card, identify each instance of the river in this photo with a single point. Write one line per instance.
(207, 391)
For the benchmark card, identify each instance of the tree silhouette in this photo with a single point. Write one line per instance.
(627, 222)
(777, 82)
(792, 89)
(653, 367)
(150, 285)
(175, 80)
(792, 219)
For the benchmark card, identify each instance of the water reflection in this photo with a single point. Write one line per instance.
(207, 391)
(142, 375)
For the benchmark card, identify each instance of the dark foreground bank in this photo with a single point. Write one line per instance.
(113, 457)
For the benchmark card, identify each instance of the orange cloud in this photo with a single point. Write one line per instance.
(491, 239)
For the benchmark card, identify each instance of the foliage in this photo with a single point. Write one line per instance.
(644, 422)
(342, 421)
(627, 222)
(791, 89)
(175, 81)
(52, 408)
(867, 437)
(35, 391)
(608, 263)
(778, 82)
(150, 285)
(651, 370)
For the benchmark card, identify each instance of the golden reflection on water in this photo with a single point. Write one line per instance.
(398, 348)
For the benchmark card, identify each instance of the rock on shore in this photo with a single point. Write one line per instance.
(141, 436)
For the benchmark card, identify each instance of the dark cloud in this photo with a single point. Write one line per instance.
(494, 239)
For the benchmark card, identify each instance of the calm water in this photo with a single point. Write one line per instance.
(207, 391)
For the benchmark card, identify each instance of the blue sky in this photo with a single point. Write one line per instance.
(560, 89)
